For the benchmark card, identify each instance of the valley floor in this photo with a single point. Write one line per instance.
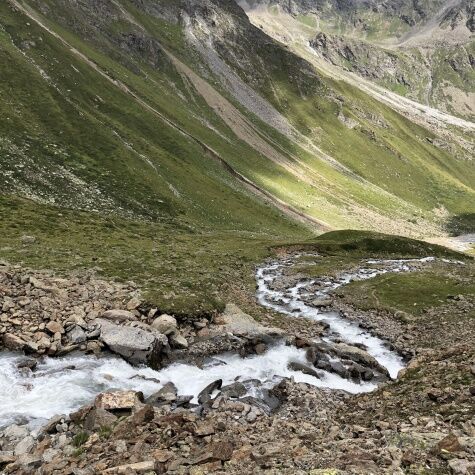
(421, 423)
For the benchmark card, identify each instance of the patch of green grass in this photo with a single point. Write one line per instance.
(180, 270)
(412, 293)
(80, 439)
(357, 243)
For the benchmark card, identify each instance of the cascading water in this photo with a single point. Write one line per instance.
(61, 385)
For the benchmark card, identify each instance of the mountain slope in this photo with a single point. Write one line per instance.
(421, 50)
(132, 99)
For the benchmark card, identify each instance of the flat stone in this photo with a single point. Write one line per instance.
(55, 327)
(117, 315)
(140, 467)
(117, 400)
(25, 446)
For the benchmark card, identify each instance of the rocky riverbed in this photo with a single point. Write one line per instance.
(140, 392)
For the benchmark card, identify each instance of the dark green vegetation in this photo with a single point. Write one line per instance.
(434, 285)
(415, 293)
(461, 224)
(180, 271)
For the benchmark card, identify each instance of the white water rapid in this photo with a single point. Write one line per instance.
(61, 385)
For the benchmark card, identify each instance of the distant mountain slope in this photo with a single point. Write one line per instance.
(423, 50)
(183, 112)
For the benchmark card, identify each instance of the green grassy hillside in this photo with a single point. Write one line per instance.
(142, 111)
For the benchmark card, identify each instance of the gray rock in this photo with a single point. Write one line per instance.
(205, 395)
(135, 345)
(50, 426)
(117, 315)
(25, 446)
(165, 324)
(76, 335)
(29, 461)
(296, 366)
(16, 432)
(98, 418)
(358, 355)
(30, 363)
(178, 341)
(50, 454)
(166, 394)
(13, 342)
(234, 390)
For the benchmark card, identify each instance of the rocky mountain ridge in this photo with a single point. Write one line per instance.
(421, 50)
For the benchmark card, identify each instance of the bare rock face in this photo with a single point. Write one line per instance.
(135, 345)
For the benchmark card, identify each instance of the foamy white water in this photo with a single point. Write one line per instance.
(56, 388)
(62, 385)
(291, 302)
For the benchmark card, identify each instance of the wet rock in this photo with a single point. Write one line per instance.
(205, 395)
(296, 366)
(29, 363)
(77, 335)
(135, 345)
(178, 341)
(333, 367)
(118, 400)
(165, 395)
(165, 324)
(13, 342)
(117, 315)
(234, 390)
(313, 355)
(321, 303)
(358, 355)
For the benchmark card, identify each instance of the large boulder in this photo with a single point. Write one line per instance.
(358, 355)
(13, 342)
(165, 324)
(235, 321)
(136, 345)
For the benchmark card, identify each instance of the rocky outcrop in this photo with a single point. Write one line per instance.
(135, 345)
